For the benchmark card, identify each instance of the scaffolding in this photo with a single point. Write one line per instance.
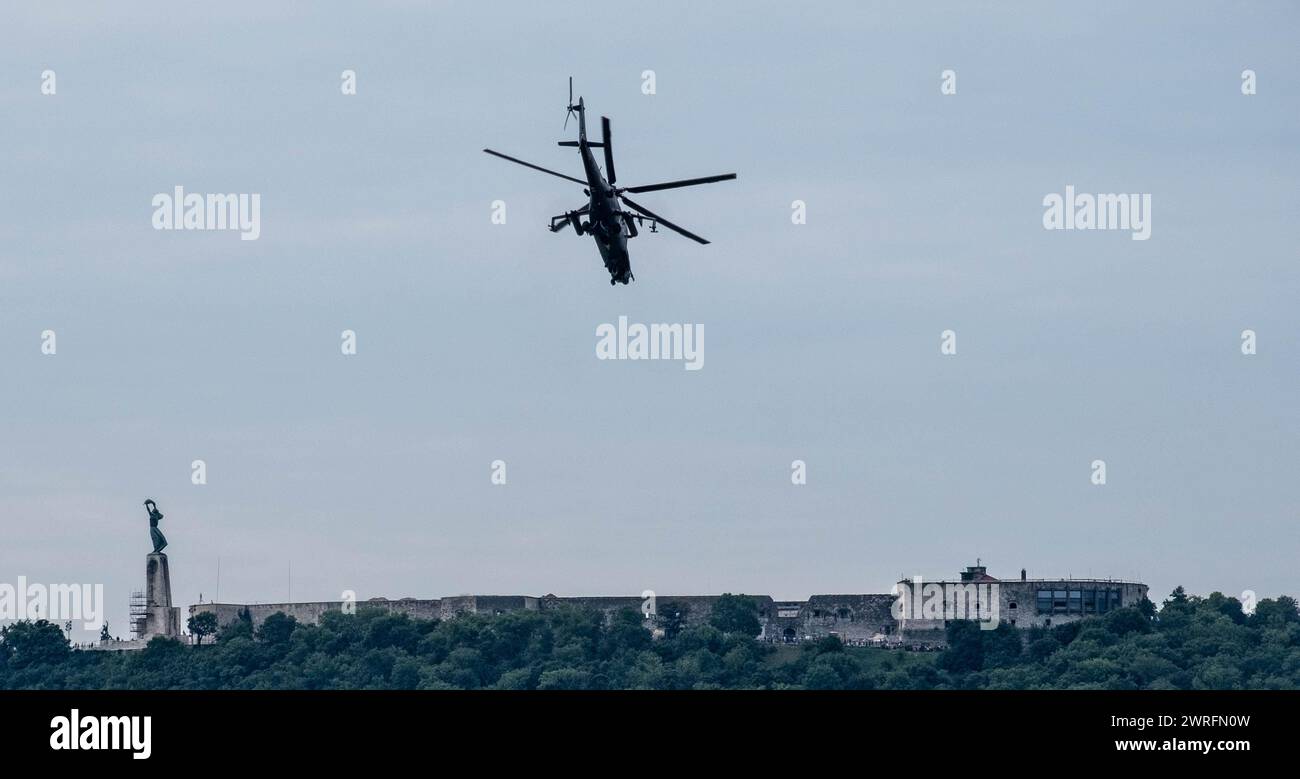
(139, 614)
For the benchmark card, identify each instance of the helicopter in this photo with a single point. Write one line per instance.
(602, 217)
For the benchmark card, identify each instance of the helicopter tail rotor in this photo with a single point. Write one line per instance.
(569, 111)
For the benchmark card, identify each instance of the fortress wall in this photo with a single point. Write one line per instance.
(853, 618)
(415, 608)
(456, 605)
(500, 604)
(1018, 604)
(310, 612)
(696, 609)
(1024, 596)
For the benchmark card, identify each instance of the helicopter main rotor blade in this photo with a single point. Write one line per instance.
(647, 212)
(534, 167)
(609, 149)
(682, 183)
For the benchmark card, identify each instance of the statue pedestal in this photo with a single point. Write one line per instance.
(161, 618)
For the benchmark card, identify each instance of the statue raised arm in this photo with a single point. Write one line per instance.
(159, 540)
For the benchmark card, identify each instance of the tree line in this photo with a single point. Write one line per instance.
(1189, 643)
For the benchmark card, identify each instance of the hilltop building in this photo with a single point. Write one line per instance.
(916, 613)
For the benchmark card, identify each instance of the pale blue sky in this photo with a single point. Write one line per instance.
(476, 341)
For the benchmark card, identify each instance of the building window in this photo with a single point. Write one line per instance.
(1108, 600)
(1076, 601)
(1013, 604)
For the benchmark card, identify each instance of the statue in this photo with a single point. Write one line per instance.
(159, 540)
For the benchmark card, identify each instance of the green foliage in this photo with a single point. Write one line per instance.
(736, 614)
(671, 617)
(828, 645)
(202, 624)
(238, 629)
(29, 644)
(1191, 643)
(965, 652)
(277, 629)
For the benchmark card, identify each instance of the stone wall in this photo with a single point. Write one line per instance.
(854, 618)
(310, 612)
(1017, 602)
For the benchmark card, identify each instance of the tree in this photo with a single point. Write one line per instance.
(822, 676)
(671, 618)
(160, 660)
(202, 624)
(626, 632)
(277, 628)
(1194, 642)
(1002, 646)
(828, 645)
(1276, 613)
(1042, 648)
(27, 643)
(965, 651)
(736, 614)
(1128, 620)
(392, 630)
(236, 629)
(564, 679)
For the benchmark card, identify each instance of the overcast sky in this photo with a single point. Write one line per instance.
(476, 341)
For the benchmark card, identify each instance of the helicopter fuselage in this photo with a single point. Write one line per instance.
(609, 227)
(609, 215)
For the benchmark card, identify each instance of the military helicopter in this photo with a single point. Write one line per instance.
(602, 218)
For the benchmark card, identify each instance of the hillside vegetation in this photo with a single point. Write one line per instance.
(1190, 643)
